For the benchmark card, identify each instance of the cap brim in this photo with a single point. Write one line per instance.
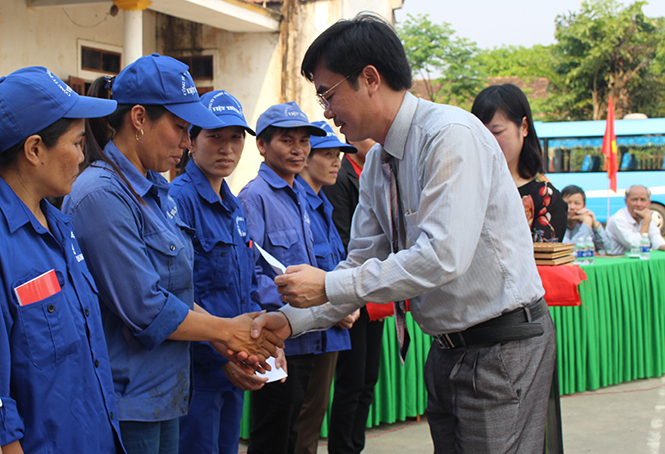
(232, 120)
(334, 143)
(88, 107)
(196, 114)
(313, 130)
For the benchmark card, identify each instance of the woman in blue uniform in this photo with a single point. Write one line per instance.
(141, 255)
(224, 277)
(56, 392)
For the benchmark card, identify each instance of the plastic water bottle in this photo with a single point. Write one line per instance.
(645, 247)
(634, 249)
(579, 252)
(585, 252)
(590, 251)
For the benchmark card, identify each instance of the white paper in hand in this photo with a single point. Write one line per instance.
(272, 261)
(274, 373)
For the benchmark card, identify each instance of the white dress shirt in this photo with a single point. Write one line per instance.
(467, 254)
(624, 230)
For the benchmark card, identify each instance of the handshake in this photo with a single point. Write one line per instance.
(258, 335)
(253, 338)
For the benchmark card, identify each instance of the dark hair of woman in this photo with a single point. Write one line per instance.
(182, 165)
(99, 131)
(509, 99)
(268, 133)
(50, 136)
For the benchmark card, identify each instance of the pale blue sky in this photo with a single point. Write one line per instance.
(492, 23)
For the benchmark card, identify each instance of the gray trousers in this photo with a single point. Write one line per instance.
(491, 398)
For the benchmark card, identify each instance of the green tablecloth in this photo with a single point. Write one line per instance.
(618, 334)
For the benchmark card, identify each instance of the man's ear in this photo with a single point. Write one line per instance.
(261, 145)
(371, 77)
(34, 150)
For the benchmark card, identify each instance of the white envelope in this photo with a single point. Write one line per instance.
(272, 261)
(274, 373)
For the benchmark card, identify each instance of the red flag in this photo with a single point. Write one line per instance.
(610, 147)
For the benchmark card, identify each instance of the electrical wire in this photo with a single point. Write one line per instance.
(106, 16)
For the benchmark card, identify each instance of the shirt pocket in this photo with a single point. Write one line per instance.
(170, 258)
(91, 281)
(284, 247)
(50, 329)
(324, 255)
(187, 234)
(214, 265)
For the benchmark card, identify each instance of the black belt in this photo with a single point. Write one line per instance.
(514, 325)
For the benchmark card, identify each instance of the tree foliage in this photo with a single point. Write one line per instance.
(526, 63)
(446, 63)
(603, 49)
(607, 49)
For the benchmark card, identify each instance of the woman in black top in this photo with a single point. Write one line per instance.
(505, 111)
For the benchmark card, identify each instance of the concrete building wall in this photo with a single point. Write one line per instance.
(51, 36)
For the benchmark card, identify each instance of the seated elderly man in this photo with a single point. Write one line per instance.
(628, 224)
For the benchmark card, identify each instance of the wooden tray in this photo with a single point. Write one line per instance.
(558, 261)
(553, 247)
(552, 255)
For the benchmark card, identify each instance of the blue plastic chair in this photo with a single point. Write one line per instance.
(587, 163)
(628, 162)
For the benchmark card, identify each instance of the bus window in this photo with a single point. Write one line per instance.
(573, 155)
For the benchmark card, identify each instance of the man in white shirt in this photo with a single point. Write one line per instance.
(465, 259)
(628, 224)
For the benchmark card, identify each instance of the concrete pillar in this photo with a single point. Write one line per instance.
(133, 24)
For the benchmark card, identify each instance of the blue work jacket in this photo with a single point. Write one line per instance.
(278, 221)
(224, 277)
(329, 251)
(56, 390)
(141, 258)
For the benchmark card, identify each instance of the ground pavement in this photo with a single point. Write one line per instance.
(622, 419)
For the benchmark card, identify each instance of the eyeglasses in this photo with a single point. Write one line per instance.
(321, 97)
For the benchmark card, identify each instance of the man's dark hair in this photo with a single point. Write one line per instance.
(268, 133)
(513, 103)
(347, 46)
(572, 189)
